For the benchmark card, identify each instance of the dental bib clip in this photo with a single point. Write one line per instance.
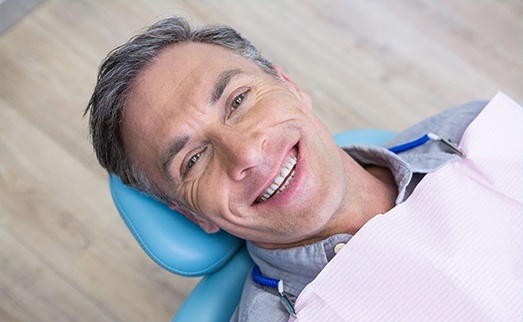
(274, 283)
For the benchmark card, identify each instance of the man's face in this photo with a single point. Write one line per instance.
(239, 146)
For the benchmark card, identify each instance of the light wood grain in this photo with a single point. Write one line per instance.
(66, 255)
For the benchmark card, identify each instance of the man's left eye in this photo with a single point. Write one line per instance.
(237, 101)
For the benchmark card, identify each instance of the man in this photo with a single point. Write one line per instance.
(201, 121)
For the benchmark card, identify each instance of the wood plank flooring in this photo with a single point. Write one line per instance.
(65, 254)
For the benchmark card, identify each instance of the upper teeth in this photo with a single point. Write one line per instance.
(282, 181)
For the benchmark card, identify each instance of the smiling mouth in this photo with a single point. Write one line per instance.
(281, 182)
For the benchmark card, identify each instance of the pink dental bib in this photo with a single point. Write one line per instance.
(452, 251)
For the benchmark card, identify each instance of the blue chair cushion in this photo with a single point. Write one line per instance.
(170, 239)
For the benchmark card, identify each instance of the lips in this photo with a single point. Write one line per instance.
(281, 182)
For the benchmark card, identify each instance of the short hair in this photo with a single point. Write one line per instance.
(115, 81)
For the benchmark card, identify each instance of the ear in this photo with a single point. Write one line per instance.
(206, 225)
(287, 80)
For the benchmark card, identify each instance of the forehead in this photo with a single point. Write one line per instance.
(179, 72)
(186, 65)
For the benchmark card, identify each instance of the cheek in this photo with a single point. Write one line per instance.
(211, 193)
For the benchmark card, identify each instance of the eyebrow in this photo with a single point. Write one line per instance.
(221, 84)
(175, 146)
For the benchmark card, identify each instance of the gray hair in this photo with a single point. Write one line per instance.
(117, 74)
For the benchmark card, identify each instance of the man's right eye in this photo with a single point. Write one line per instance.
(192, 161)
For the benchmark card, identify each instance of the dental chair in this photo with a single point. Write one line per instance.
(181, 247)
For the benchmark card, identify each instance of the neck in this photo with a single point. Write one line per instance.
(375, 195)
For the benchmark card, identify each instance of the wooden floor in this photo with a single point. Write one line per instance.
(66, 254)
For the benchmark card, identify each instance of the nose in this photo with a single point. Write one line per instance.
(240, 150)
